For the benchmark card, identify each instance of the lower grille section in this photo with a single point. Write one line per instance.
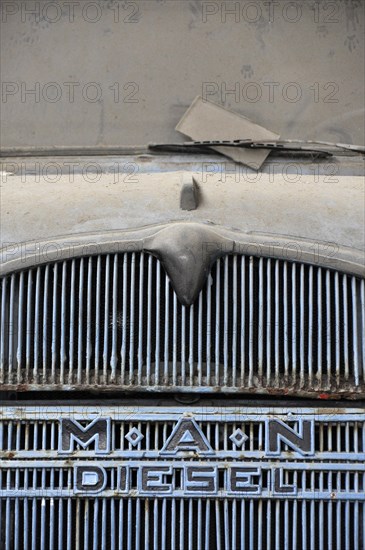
(100, 477)
(193, 524)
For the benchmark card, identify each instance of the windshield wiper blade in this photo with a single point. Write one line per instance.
(321, 149)
(201, 147)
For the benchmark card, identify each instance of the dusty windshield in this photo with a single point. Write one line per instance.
(112, 73)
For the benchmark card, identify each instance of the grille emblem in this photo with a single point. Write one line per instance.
(238, 437)
(186, 436)
(192, 451)
(97, 432)
(187, 252)
(134, 436)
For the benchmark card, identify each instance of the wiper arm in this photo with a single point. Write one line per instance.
(318, 149)
(327, 145)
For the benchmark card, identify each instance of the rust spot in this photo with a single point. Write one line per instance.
(277, 391)
(323, 396)
(10, 455)
(345, 393)
(23, 387)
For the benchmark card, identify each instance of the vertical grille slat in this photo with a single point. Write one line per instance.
(167, 330)
(149, 321)
(114, 320)
(183, 336)
(89, 319)
(191, 345)
(3, 329)
(329, 306)
(45, 328)
(319, 326)
(106, 319)
(217, 320)
(72, 323)
(158, 317)
(286, 322)
(225, 322)
(362, 309)
(174, 343)
(54, 326)
(243, 323)
(355, 347)
(337, 328)
(12, 328)
(29, 325)
(200, 341)
(97, 319)
(209, 329)
(64, 323)
(140, 318)
(294, 324)
(131, 315)
(268, 323)
(345, 327)
(82, 331)
(310, 326)
(251, 308)
(303, 332)
(235, 322)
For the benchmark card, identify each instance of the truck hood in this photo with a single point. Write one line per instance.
(315, 218)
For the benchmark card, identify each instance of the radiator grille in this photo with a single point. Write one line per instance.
(191, 524)
(114, 321)
(39, 506)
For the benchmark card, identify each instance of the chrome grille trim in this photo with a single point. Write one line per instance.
(309, 479)
(113, 321)
(340, 436)
(39, 507)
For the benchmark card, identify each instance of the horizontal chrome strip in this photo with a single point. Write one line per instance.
(16, 256)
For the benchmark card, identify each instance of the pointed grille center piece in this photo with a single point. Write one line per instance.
(187, 251)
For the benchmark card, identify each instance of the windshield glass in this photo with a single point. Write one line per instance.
(112, 73)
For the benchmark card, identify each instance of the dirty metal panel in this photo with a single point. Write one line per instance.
(168, 54)
(182, 477)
